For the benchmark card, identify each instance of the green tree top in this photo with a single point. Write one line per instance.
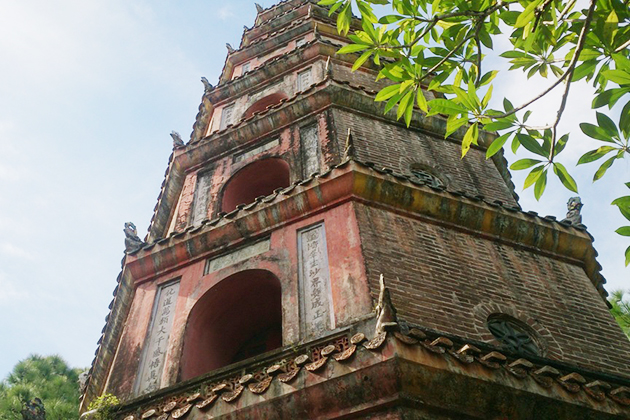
(47, 378)
(439, 46)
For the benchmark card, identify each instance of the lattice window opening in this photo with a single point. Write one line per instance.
(513, 335)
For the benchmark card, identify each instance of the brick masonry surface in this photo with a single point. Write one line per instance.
(451, 281)
(396, 147)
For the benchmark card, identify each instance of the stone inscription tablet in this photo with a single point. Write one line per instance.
(316, 311)
(156, 344)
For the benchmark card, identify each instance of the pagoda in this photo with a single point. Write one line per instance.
(311, 257)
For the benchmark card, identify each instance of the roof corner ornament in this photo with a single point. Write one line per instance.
(310, 9)
(132, 240)
(385, 311)
(207, 86)
(316, 31)
(328, 69)
(259, 8)
(229, 48)
(349, 152)
(574, 205)
(177, 140)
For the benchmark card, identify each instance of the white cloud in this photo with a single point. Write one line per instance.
(225, 12)
(9, 292)
(14, 251)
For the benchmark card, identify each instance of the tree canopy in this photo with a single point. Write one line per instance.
(48, 378)
(620, 310)
(440, 46)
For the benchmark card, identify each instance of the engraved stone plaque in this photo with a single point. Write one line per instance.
(316, 311)
(202, 192)
(156, 344)
(310, 145)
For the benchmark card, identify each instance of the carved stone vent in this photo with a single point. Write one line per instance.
(423, 175)
(514, 335)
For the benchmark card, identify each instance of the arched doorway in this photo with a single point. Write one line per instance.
(258, 178)
(238, 318)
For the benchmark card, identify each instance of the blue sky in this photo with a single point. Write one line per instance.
(89, 92)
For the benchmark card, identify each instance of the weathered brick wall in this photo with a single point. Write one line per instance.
(396, 147)
(451, 281)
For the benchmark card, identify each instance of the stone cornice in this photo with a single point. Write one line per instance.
(353, 181)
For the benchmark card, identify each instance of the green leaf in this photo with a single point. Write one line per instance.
(624, 231)
(350, 48)
(405, 102)
(622, 202)
(624, 120)
(507, 105)
(627, 256)
(392, 102)
(361, 60)
(488, 77)
(533, 176)
(386, 20)
(496, 145)
(527, 15)
(607, 124)
(595, 132)
(541, 184)
(387, 92)
(609, 97)
(498, 125)
(486, 98)
(531, 144)
(583, 70)
(560, 144)
(524, 164)
(602, 169)
(470, 137)
(422, 101)
(596, 154)
(621, 77)
(445, 106)
(566, 179)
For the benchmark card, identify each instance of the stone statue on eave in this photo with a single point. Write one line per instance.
(573, 214)
(132, 240)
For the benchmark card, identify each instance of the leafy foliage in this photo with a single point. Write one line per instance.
(47, 378)
(439, 46)
(105, 407)
(620, 310)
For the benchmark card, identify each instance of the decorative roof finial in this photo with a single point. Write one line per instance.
(229, 48)
(328, 68)
(177, 140)
(573, 214)
(259, 8)
(207, 86)
(349, 152)
(385, 311)
(132, 241)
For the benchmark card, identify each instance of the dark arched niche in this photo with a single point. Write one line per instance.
(259, 178)
(263, 103)
(238, 318)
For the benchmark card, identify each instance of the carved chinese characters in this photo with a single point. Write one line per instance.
(152, 365)
(315, 297)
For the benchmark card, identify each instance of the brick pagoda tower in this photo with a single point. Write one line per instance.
(257, 294)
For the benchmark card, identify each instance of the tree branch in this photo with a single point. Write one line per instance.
(565, 75)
